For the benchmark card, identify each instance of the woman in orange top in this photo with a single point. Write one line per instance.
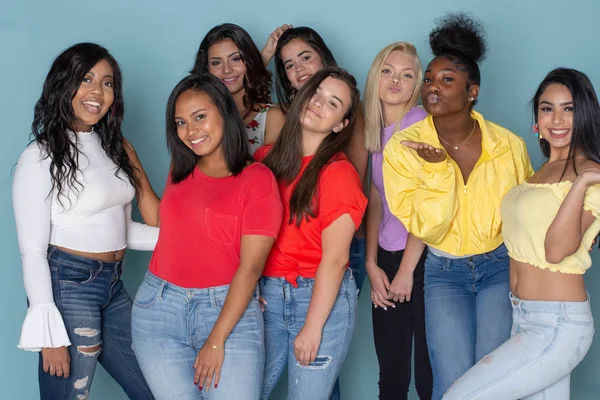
(310, 295)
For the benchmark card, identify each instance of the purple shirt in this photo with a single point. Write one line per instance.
(392, 234)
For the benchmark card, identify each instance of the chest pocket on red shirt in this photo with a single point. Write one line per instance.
(221, 228)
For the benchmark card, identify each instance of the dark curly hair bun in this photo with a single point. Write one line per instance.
(458, 34)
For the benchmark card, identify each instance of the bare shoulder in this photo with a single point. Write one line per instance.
(274, 123)
(133, 157)
(587, 164)
(128, 147)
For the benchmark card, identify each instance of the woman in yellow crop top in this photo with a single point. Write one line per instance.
(549, 223)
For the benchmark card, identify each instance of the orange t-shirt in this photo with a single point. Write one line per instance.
(298, 250)
(202, 220)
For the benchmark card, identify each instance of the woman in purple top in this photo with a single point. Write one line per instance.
(395, 259)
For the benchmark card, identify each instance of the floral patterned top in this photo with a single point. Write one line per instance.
(256, 129)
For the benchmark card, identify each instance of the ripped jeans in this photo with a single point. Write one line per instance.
(96, 311)
(284, 316)
(548, 340)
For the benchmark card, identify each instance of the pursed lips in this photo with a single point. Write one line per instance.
(432, 98)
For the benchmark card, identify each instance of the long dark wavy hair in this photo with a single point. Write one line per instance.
(283, 87)
(285, 158)
(257, 81)
(585, 134)
(235, 140)
(54, 118)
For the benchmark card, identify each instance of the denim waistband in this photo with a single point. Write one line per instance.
(553, 307)
(305, 282)
(55, 254)
(494, 254)
(187, 293)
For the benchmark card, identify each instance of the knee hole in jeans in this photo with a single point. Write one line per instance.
(89, 351)
(81, 384)
(320, 362)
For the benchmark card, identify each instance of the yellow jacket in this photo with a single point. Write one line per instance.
(433, 201)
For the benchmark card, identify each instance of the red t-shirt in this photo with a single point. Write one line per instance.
(298, 250)
(202, 220)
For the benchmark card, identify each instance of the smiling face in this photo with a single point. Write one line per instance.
(445, 88)
(94, 97)
(398, 79)
(199, 123)
(325, 111)
(555, 115)
(225, 62)
(300, 62)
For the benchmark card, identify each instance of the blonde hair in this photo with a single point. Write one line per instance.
(372, 105)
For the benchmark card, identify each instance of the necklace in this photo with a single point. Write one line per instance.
(456, 147)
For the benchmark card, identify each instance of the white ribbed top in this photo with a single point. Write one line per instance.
(97, 219)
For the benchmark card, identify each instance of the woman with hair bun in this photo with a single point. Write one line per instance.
(444, 178)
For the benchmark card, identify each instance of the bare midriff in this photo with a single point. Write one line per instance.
(109, 256)
(528, 282)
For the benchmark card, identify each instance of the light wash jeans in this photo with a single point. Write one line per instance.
(169, 326)
(358, 253)
(548, 340)
(96, 310)
(285, 314)
(467, 312)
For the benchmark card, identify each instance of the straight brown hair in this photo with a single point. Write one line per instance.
(285, 158)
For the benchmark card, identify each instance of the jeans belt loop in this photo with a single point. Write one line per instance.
(213, 298)
(563, 309)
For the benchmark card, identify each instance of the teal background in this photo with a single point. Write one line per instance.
(155, 43)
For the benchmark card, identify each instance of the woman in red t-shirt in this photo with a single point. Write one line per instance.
(310, 295)
(196, 321)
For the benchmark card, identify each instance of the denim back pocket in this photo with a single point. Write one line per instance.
(221, 228)
(147, 294)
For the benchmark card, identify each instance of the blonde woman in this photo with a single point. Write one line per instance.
(395, 260)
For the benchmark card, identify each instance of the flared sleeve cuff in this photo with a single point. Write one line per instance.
(43, 327)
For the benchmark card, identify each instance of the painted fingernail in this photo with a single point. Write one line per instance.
(385, 308)
(195, 383)
(200, 387)
(216, 384)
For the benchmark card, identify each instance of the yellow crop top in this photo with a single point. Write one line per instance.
(527, 212)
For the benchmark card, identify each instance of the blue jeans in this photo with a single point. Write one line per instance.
(169, 326)
(358, 254)
(96, 311)
(285, 314)
(467, 312)
(548, 340)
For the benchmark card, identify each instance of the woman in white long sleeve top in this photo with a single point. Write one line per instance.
(72, 194)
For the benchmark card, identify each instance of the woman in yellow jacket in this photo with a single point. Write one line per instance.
(444, 179)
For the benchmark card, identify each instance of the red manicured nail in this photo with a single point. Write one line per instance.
(216, 385)
(200, 387)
